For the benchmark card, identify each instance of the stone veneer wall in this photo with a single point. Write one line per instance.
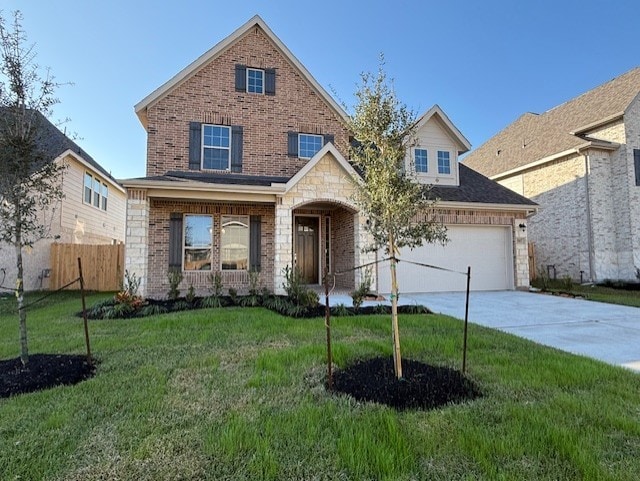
(136, 259)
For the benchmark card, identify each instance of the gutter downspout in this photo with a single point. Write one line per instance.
(587, 171)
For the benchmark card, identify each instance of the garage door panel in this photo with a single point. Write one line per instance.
(486, 249)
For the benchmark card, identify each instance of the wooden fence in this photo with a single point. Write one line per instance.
(532, 261)
(102, 266)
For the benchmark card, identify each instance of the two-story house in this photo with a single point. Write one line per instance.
(580, 161)
(247, 170)
(92, 211)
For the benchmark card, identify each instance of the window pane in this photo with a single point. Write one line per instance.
(444, 164)
(234, 250)
(96, 192)
(421, 160)
(216, 136)
(88, 183)
(197, 242)
(197, 230)
(197, 259)
(215, 159)
(105, 195)
(255, 81)
(309, 145)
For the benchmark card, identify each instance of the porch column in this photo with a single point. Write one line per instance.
(136, 257)
(361, 239)
(283, 245)
(521, 254)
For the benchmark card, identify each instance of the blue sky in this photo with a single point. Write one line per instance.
(484, 62)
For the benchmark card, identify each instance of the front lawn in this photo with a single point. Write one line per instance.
(238, 394)
(598, 293)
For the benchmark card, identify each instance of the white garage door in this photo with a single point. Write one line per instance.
(488, 250)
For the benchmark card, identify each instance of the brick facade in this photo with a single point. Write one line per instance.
(209, 96)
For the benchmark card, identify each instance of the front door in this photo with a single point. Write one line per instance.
(306, 248)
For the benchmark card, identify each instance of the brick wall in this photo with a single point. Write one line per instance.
(209, 96)
(158, 256)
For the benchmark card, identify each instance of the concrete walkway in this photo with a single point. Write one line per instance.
(606, 332)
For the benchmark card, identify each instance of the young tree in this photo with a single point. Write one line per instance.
(399, 210)
(29, 181)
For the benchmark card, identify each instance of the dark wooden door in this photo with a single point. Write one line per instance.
(306, 253)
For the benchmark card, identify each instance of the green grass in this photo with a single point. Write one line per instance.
(599, 293)
(237, 394)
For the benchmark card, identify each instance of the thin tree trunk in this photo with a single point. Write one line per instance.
(24, 349)
(397, 358)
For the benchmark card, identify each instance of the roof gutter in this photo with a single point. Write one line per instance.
(186, 185)
(528, 208)
(602, 145)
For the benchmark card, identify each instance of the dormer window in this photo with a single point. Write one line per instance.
(421, 160)
(216, 147)
(255, 81)
(444, 162)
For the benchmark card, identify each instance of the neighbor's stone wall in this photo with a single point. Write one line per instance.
(632, 130)
(209, 96)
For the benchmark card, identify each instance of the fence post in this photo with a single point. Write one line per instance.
(84, 313)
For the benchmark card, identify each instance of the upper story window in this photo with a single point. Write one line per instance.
(421, 160)
(216, 147)
(309, 145)
(444, 162)
(96, 192)
(255, 81)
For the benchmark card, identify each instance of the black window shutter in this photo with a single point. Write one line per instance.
(241, 78)
(329, 138)
(636, 163)
(255, 237)
(236, 148)
(292, 148)
(270, 81)
(175, 241)
(195, 145)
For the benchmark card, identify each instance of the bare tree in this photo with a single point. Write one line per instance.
(30, 183)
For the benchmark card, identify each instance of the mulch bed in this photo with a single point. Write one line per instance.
(423, 387)
(43, 371)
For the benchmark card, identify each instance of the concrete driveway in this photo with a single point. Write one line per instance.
(606, 332)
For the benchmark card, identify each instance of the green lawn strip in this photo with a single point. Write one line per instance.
(239, 394)
(601, 294)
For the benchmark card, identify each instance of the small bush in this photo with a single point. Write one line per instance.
(175, 278)
(341, 310)
(215, 279)
(181, 306)
(191, 294)
(298, 292)
(211, 301)
(153, 310)
(233, 295)
(364, 288)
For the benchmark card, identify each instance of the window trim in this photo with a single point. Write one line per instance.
(203, 147)
(448, 160)
(415, 163)
(300, 134)
(251, 69)
(248, 225)
(102, 184)
(184, 243)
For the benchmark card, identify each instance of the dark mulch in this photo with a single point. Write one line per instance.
(43, 371)
(423, 386)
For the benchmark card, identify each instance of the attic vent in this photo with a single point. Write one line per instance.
(498, 152)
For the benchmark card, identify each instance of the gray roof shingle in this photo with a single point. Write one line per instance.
(533, 137)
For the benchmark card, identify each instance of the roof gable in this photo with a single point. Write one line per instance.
(563, 128)
(328, 148)
(452, 131)
(217, 50)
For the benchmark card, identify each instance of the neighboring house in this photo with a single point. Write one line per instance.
(580, 161)
(247, 171)
(91, 212)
